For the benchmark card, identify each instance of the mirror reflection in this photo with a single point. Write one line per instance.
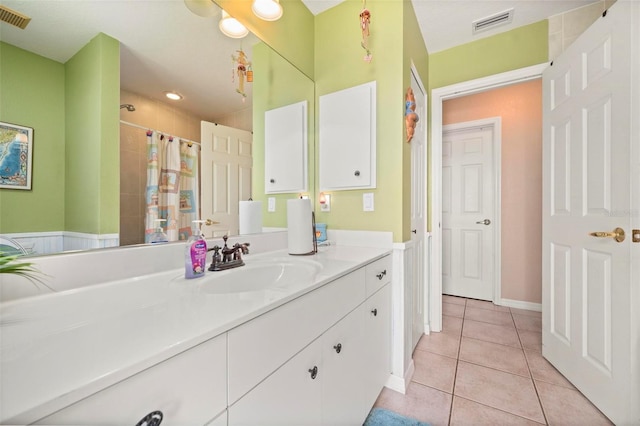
(90, 192)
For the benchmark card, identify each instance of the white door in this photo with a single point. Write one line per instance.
(226, 161)
(418, 214)
(590, 301)
(468, 211)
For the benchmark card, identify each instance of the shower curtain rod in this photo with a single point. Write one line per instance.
(146, 128)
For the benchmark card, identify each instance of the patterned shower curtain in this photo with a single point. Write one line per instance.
(172, 186)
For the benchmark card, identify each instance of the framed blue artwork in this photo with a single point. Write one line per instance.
(16, 156)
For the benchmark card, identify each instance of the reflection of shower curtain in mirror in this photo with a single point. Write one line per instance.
(172, 186)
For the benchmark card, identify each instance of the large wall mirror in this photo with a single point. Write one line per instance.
(89, 144)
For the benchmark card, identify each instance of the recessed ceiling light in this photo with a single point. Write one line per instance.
(269, 10)
(173, 96)
(231, 27)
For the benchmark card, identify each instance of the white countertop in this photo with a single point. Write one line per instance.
(58, 348)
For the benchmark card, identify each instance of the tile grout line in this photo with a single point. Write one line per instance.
(455, 373)
(526, 360)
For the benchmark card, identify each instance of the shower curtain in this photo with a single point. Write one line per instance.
(172, 186)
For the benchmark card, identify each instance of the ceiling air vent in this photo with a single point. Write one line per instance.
(14, 18)
(492, 21)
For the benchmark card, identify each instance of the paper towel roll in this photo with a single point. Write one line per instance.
(299, 226)
(250, 217)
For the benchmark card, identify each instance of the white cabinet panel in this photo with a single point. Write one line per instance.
(377, 343)
(343, 401)
(347, 130)
(190, 388)
(285, 149)
(290, 396)
(378, 274)
(260, 346)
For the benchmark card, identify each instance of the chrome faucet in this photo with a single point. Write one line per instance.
(228, 257)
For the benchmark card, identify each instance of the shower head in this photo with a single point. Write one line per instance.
(129, 107)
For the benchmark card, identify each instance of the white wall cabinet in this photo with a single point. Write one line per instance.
(347, 138)
(285, 149)
(336, 378)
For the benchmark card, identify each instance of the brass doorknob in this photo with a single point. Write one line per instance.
(617, 234)
(210, 222)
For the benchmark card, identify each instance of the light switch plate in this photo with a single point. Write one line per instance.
(271, 207)
(367, 202)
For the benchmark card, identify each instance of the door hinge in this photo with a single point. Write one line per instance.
(635, 235)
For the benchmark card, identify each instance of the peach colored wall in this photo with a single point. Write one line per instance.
(520, 107)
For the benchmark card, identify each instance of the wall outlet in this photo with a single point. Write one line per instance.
(326, 206)
(271, 204)
(367, 202)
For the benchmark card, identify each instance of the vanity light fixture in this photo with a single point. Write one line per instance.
(173, 96)
(268, 10)
(231, 27)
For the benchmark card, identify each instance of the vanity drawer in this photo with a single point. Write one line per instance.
(189, 388)
(262, 345)
(378, 274)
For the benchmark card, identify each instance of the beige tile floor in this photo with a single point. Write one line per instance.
(486, 368)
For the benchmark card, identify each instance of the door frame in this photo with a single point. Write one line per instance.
(424, 261)
(438, 96)
(495, 123)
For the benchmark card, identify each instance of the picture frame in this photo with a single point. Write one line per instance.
(16, 156)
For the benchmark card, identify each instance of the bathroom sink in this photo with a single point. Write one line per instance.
(261, 275)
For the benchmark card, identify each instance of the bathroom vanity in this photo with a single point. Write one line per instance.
(282, 340)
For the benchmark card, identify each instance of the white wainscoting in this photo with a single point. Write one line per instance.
(40, 243)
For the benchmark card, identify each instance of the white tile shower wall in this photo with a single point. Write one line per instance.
(67, 271)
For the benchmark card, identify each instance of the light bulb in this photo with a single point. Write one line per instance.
(231, 27)
(269, 10)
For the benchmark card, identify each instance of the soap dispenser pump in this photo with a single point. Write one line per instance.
(195, 256)
(159, 235)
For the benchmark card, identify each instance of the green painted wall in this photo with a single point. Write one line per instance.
(291, 36)
(277, 83)
(32, 95)
(339, 65)
(415, 52)
(93, 133)
(511, 50)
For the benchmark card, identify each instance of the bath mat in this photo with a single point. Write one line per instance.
(382, 417)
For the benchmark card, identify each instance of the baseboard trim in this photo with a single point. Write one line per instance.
(401, 384)
(519, 304)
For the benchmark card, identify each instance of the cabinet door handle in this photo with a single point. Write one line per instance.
(272, 180)
(374, 311)
(381, 274)
(314, 372)
(154, 418)
(356, 173)
(338, 348)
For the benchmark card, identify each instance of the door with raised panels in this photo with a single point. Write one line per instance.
(226, 162)
(591, 145)
(468, 212)
(418, 214)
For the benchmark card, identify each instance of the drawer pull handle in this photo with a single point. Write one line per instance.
(314, 372)
(381, 274)
(338, 348)
(374, 312)
(356, 173)
(272, 181)
(152, 419)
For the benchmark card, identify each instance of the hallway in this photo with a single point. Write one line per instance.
(486, 368)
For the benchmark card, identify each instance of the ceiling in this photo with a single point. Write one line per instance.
(165, 47)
